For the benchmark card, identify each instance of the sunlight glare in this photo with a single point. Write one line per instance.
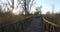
(15, 12)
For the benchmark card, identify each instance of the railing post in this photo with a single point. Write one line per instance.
(52, 29)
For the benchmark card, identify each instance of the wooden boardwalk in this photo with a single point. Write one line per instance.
(33, 24)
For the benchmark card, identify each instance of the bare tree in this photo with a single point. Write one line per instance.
(48, 13)
(7, 3)
(52, 9)
(26, 5)
(38, 9)
(0, 8)
(12, 2)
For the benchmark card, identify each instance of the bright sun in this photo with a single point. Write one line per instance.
(15, 12)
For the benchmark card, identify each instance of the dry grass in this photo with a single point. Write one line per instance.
(5, 18)
(54, 17)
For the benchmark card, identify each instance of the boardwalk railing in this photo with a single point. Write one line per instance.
(17, 25)
(50, 26)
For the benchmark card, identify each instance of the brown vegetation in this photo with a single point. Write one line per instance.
(53, 17)
(6, 18)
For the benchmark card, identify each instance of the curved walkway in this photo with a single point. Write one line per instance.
(35, 26)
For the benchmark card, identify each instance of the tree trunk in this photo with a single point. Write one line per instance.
(26, 10)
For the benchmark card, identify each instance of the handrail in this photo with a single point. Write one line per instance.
(15, 21)
(49, 22)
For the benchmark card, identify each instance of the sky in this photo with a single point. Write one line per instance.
(46, 5)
